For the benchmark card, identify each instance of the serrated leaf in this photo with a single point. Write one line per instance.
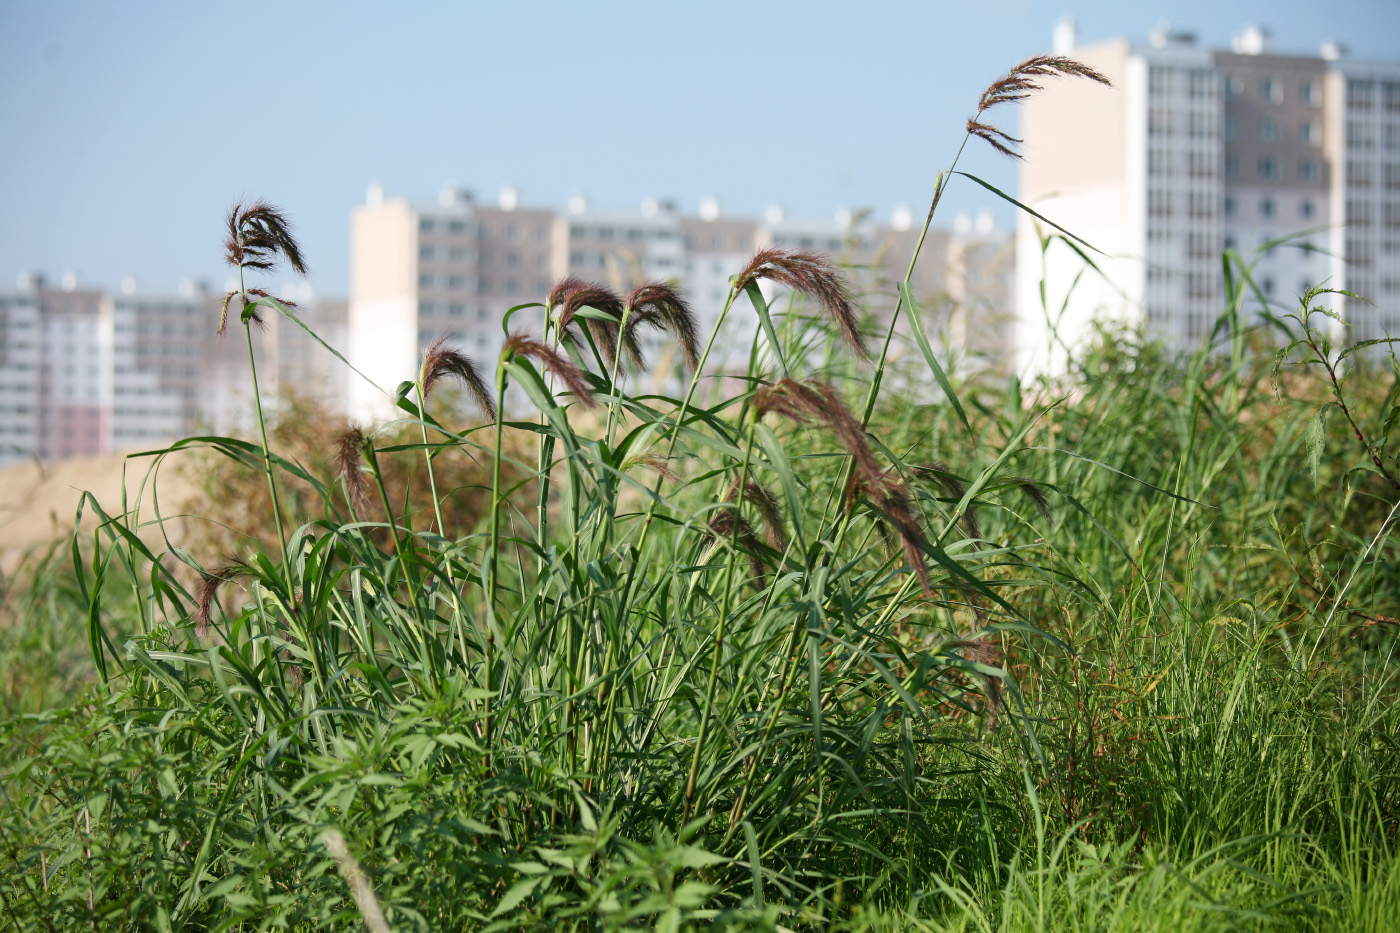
(517, 893)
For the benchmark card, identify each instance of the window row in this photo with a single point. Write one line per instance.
(1274, 90)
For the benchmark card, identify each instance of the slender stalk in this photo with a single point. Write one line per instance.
(267, 461)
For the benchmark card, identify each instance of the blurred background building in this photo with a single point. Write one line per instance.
(1194, 151)
(454, 268)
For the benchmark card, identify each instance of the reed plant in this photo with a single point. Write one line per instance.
(788, 657)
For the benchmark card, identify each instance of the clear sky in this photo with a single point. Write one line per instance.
(129, 128)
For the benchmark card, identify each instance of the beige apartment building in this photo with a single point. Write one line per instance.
(1194, 151)
(456, 267)
(87, 372)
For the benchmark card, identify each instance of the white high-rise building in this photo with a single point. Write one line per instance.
(1191, 152)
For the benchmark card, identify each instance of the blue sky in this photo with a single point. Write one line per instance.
(129, 128)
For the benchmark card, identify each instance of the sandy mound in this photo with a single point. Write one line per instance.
(38, 503)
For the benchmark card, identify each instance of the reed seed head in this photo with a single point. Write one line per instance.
(349, 453)
(658, 305)
(524, 345)
(814, 275)
(727, 524)
(816, 402)
(769, 510)
(888, 496)
(208, 591)
(443, 360)
(257, 234)
(1018, 84)
(577, 295)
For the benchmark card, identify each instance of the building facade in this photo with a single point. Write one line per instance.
(456, 267)
(85, 372)
(1193, 151)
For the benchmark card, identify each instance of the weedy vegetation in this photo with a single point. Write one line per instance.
(1111, 652)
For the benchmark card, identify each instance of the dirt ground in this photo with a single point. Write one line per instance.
(38, 503)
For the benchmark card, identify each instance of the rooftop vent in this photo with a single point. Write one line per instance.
(709, 209)
(1252, 40)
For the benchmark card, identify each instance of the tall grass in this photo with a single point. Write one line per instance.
(1113, 653)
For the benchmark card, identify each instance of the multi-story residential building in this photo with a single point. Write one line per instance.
(1193, 151)
(84, 372)
(456, 267)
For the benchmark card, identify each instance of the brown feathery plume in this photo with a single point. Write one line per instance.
(208, 591)
(722, 526)
(266, 294)
(768, 508)
(563, 289)
(811, 274)
(572, 377)
(223, 313)
(658, 305)
(248, 309)
(599, 298)
(349, 449)
(443, 360)
(1018, 84)
(657, 464)
(954, 488)
(257, 233)
(890, 498)
(1035, 492)
(815, 401)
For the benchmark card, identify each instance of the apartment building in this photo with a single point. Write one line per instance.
(85, 372)
(456, 267)
(1191, 152)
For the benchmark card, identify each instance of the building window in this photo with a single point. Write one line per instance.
(425, 252)
(1311, 135)
(425, 225)
(457, 226)
(1361, 134)
(1159, 81)
(1232, 127)
(1267, 168)
(512, 260)
(1234, 86)
(1159, 123)
(1158, 162)
(1392, 136)
(425, 281)
(1200, 84)
(1359, 213)
(1267, 286)
(1268, 130)
(1390, 96)
(1359, 174)
(1307, 91)
(1307, 170)
(1201, 124)
(1270, 90)
(1229, 207)
(1266, 207)
(1392, 215)
(1232, 166)
(1392, 175)
(1305, 209)
(1361, 95)
(512, 287)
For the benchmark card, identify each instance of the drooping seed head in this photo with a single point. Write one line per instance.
(658, 305)
(1018, 84)
(952, 486)
(349, 451)
(728, 525)
(257, 234)
(524, 345)
(817, 402)
(813, 275)
(441, 360)
(657, 464)
(580, 295)
(890, 498)
(208, 591)
(769, 510)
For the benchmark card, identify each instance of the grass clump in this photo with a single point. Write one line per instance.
(773, 659)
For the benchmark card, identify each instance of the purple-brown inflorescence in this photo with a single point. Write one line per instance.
(572, 295)
(569, 374)
(208, 591)
(257, 234)
(817, 402)
(658, 305)
(768, 508)
(889, 497)
(726, 525)
(349, 451)
(441, 360)
(813, 275)
(1018, 84)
